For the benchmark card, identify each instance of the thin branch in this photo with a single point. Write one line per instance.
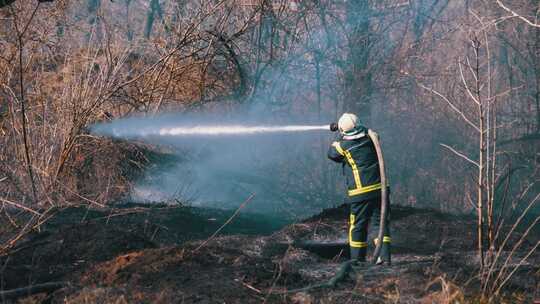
(20, 47)
(17, 205)
(452, 106)
(466, 85)
(81, 196)
(461, 155)
(514, 14)
(226, 223)
(469, 200)
(533, 250)
(507, 238)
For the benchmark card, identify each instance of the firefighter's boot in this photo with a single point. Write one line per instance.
(358, 254)
(385, 255)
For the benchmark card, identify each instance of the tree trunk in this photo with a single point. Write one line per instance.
(129, 32)
(358, 78)
(537, 76)
(481, 150)
(155, 8)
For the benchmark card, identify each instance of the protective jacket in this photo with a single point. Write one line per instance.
(360, 165)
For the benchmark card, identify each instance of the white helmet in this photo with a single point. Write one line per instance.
(347, 124)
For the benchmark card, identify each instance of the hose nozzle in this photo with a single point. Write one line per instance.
(334, 127)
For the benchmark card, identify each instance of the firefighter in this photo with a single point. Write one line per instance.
(357, 154)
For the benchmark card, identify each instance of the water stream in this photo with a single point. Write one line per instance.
(208, 130)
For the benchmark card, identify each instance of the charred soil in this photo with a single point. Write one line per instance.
(163, 255)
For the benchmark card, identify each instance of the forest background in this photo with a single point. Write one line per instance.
(452, 87)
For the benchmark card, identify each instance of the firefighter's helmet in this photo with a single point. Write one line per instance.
(348, 124)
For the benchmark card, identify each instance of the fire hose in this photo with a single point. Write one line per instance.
(384, 190)
(384, 194)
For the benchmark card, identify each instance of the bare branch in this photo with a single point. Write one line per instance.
(467, 120)
(516, 15)
(461, 155)
(466, 85)
(533, 250)
(507, 238)
(225, 224)
(20, 206)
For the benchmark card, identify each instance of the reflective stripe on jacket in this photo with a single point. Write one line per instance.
(360, 167)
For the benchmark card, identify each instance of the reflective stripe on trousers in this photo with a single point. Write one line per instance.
(353, 243)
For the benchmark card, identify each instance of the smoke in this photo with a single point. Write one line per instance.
(276, 148)
(221, 161)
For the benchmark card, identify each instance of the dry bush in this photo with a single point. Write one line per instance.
(73, 79)
(71, 83)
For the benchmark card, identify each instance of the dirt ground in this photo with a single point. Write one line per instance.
(164, 256)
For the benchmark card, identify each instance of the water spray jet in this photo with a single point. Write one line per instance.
(205, 130)
(237, 130)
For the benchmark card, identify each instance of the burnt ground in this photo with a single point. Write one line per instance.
(154, 255)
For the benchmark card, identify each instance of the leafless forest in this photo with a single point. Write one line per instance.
(453, 87)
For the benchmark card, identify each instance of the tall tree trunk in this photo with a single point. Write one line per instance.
(93, 7)
(155, 8)
(536, 56)
(22, 87)
(93, 19)
(129, 32)
(482, 156)
(358, 78)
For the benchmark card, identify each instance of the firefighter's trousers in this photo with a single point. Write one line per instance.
(361, 214)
